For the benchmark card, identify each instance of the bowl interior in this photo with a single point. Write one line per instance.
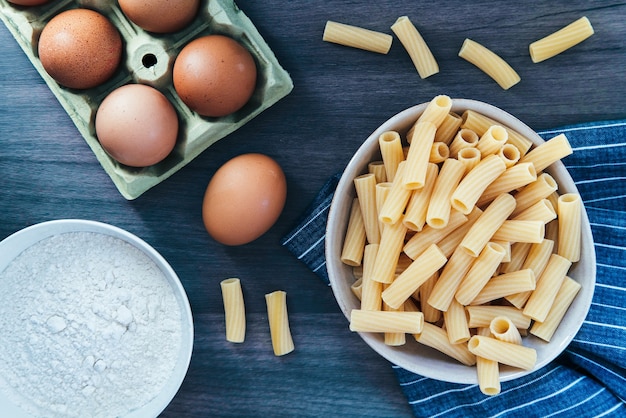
(15, 244)
(413, 356)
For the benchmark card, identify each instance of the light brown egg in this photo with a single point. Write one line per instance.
(80, 48)
(214, 75)
(160, 16)
(137, 125)
(244, 199)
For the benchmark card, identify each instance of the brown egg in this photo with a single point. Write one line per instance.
(160, 16)
(137, 125)
(28, 2)
(214, 75)
(80, 48)
(244, 199)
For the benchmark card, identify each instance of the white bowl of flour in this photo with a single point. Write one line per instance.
(93, 323)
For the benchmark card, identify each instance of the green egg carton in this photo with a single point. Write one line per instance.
(148, 58)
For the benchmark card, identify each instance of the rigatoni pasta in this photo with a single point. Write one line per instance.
(282, 342)
(490, 63)
(386, 321)
(462, 270)
(414, 43)
(569, 210)
(352, 252)
(234, 310)
(357, 37)
(561, 40)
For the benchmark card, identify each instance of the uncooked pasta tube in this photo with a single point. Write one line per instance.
(514, 355)
(492, 141)
(427, 236)
(435, 337)
(510, 155)
(417, 208)
(397, 199)
(520, 231)
(487, 224)
(564, 298)
(414, 43)
(479, 123)
(470, 157)
(365, 186)
(475, 182)
(548, 285)
(234, 310)
(479, 274)
(541, 211)
(352, 251)
(561, 40)
(511, 179)
(388, 252)
(377, 168)
(424, 266)
(391, 150)
(456, 323)
(506, 284)
(539, 189)
(503, 329)
(482, 315)
(436, 111)
(487, 371)
(419, 153)
(370, 289)
(548, 153)
(569, 211)
(490, 63)
(282, 343)
(465, 138)
(386, 321)
(448, 128)
(447, 181)
(356, 37)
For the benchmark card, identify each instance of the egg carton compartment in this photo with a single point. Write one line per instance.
(148, 58)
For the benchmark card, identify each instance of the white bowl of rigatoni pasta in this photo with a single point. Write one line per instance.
(457, 244)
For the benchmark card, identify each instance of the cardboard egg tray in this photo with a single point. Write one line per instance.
(148, 59)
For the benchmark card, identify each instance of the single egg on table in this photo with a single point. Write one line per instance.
(137, 125)
(214, 75)
(160, 16)
(80, 48)
(244, 199)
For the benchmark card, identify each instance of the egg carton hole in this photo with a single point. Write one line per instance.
(149, 60)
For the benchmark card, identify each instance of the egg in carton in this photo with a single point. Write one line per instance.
(148, 58)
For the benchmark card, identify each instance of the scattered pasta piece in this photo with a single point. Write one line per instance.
(234, 310)
(356, 37)
(490, 63)
(561, 40)
(418, 50)
(282, 343)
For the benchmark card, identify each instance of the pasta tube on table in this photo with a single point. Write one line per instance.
(282, 342)
(414, 43)
(357, 37)
(490, 63)
(561, 40)
(234, 310)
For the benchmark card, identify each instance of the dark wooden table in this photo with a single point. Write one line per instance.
(341, 95)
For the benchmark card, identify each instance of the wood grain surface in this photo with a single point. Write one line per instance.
(341, 95)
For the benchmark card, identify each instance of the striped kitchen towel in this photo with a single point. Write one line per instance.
(589, 378)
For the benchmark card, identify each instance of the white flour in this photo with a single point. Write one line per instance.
(89, 326)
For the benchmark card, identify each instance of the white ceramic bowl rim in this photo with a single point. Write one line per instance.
(413, 356)
(17, 242)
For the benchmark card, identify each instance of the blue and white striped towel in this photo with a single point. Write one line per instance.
(589, 378)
